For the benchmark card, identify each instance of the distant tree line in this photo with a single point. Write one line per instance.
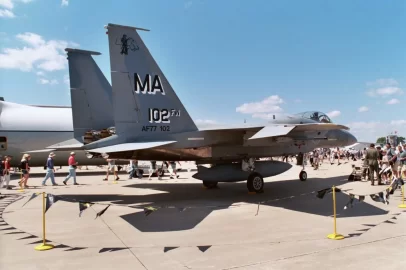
(382, 140)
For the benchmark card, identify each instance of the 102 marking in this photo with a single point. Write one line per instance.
(161, 115)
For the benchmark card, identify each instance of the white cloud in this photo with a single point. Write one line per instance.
(7, 4)
(4, 13)
(398, 123)
(205, 123)
(393, 101)
(201, 121)
(333, 114)
(268, 105)
(370, 131)
(383, 82)
(46, 81)
(46, 55)
(65, 3)
(384, 87)
(363, 109)
(40, 73)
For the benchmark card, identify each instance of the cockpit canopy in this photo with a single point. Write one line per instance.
(316, 116)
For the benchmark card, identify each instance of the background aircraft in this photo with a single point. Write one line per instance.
(152, 124)
(26, 128)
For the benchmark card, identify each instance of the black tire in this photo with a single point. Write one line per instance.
(161, 172)
(303, 176)
(210, 184)
(255, 183)
(141, 172)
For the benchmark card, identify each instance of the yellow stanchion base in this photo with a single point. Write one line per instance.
(402, 205)
(334, 236)
(21, 190)
(43, 247)
(114, 182)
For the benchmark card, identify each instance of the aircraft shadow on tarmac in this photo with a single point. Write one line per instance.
(203, 202)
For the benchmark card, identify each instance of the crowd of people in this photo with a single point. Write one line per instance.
(133, 170)
(387, 164)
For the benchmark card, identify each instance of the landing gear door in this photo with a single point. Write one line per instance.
(3, 143)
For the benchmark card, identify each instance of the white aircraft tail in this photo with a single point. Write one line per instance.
(144, 102)
(91, 93)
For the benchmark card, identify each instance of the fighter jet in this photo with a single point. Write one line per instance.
(150, 123)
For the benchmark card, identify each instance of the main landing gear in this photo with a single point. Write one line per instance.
(255, 181)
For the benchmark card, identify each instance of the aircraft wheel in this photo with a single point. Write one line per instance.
(255, 183)
(303, 176)
(210, 184)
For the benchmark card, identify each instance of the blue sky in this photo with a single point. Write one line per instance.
(227, 60)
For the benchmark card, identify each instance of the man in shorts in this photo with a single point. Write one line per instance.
(111, 167)
(172, 169)
(153, 169)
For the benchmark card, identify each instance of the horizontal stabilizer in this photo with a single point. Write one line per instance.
(272, 131)
(72, 144)
(39, 151)
(129, 147)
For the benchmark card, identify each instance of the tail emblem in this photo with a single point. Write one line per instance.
(127, 43)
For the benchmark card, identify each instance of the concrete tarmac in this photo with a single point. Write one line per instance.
(285, 227)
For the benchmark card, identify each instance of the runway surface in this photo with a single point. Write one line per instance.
(286, 227)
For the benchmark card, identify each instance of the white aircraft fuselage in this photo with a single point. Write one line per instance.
(29, 128)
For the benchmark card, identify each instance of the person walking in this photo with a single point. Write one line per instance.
(134, 171)
(111, 167)
(172, 170)
(153, 169)
(72, 169)
(372, 156)
(25, 169)
(6, 172)
(50, 170)
(392, 157)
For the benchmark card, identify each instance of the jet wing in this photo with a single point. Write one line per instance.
(282, 130)
(129, 147)
(39, 151)
(72, 144)
(272, 131)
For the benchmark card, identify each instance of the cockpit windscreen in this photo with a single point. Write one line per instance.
(316, 116)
